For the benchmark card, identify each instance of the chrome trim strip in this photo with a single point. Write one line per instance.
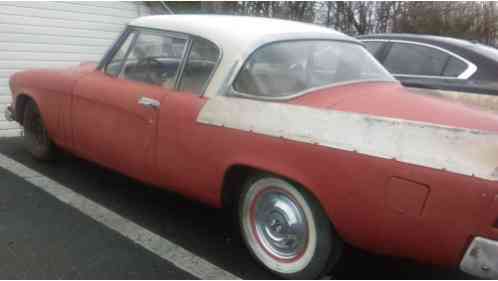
(236, 93)
(185, 54)
(471, 67)
(427, 76)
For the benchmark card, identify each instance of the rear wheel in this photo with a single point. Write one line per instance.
(36, 139)
(286, 229)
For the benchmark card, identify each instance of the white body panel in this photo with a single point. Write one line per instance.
(457, 150)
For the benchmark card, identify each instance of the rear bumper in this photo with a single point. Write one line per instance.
(9, 114)
(481, 258)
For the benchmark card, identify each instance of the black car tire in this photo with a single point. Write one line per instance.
(36, 139)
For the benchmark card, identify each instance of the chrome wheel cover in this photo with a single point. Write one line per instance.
(278, 225)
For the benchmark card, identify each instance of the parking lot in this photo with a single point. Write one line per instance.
(98, 232)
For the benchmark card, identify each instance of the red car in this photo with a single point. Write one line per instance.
(296, 127)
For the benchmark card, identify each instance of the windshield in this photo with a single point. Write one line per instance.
(287, 68)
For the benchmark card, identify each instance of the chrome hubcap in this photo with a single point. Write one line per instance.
(280, 224)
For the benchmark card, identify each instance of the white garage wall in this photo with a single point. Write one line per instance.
(58, 34)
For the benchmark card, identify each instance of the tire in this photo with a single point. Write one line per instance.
(307, 249)
(36, 139)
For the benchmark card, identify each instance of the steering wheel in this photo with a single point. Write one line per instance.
(151, 64)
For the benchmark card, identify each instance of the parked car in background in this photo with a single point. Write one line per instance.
(441, 63)
(294, 127)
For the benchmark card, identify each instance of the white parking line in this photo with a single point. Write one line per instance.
(156, 244)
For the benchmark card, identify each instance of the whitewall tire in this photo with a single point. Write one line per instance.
(286, 230)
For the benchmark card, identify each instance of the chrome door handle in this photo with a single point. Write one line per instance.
(149, 103)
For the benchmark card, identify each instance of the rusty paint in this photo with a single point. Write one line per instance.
(192, 158)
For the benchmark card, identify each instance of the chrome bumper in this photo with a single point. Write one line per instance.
(9, 115)
(481, 258)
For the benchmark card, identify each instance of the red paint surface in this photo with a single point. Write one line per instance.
(97, 117)
(395, 101)
(406, 197)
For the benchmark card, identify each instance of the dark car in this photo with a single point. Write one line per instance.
(435, 62)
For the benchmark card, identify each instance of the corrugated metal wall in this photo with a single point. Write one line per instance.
(57, 34)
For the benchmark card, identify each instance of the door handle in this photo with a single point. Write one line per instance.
(149, 103)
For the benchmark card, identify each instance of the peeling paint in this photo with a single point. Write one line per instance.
(457, 150)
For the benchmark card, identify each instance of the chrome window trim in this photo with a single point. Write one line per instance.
(215, 68)
(110, 52)
(133, 33)
(471, 67)
(183, 62)
(428, 76)
(235, 93)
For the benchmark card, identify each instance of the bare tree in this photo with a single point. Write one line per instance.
(469, 20)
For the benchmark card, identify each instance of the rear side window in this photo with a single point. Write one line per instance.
(454, 67)
(286, 68)
(199, 67)
(414, 59)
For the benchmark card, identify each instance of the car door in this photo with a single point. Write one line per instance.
(116, 109)
(183, 143)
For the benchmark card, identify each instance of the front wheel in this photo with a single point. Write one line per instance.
(286, 229)
(36, 137)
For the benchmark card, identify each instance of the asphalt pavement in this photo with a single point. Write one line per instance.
(42, 237)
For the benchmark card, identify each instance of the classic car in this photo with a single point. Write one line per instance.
(442, 66)
(295, 128)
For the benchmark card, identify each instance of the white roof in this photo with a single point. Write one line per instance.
(237, 36)
(221, 29)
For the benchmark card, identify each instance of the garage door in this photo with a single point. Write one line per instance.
(57, 34)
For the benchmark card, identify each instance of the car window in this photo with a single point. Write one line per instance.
(454, 67)
(201, 63)
(374, 47)
(286, 68)
(154, 59)
(113, 68)
(415, 60)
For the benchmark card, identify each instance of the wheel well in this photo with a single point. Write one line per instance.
(233, 182)
(235, 178)
(21, 101)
